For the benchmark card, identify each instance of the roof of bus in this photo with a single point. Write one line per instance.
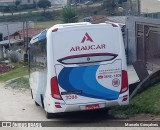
(42, 35)
(71, 24)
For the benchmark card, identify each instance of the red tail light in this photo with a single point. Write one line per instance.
(54, 89)
(114, 25)
(125, 98)
(55, 30)
(124, 87)
(57, 105)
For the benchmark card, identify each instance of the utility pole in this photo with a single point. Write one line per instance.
(131, 9)
(9, 37)
(68, 2)
(24, 33)
(139, 7)
(27, 33)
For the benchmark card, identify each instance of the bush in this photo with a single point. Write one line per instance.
(69, 15)
(45, 16)
(13, 56)
(40, 16)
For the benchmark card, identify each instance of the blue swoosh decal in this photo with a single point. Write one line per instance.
(84, 78)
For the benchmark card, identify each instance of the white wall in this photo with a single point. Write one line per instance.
(150, 6)
(58, 2)
(53, 2)
(23, 2)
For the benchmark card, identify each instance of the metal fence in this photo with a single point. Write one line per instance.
(148, 44)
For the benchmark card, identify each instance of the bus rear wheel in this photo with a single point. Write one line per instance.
(37, 104)
(51, 115)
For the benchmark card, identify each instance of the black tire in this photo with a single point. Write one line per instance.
(105, 110)
(49, 115)
(37, 104)
(42, 101)
(31, 94)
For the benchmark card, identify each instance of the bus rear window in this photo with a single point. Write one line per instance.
(87, 58)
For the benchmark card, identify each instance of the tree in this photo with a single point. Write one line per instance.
(17, 3)
(69, 2)
(110, 5)
(12, 9)
(2, 9)
(69, 15)
(44, 4)
(35, 3)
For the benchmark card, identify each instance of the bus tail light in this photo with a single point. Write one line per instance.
(54, 89)
(57, 105)
(125, 98)
(114, 25)
(55, 30)
(124, 87)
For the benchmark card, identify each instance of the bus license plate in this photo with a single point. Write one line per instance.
(92, 107)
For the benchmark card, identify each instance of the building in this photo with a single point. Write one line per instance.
(150, 6)
(23, 3)
(9, 28)
(6, 30)
(58, 2)
(27, 3)
(5, 3)
(23, 34)
(143, 40)
(31, 3)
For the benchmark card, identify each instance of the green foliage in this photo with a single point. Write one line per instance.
(69, 15)
(44, 4)
(18, 72)
(146, 102)
(13, 56)
(17, 2)
(47, 24)
(110, 5)
(47, 16)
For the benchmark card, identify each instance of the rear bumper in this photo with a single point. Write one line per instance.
(51, 108)
(81, 107)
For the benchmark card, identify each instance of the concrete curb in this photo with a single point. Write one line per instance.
(149, 81)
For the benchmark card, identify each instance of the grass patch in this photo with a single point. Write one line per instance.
(17, 72)
(47, 24)
(38, 16)
(146, 102)
(19, 83)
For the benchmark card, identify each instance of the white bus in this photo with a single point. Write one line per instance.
(78, 66)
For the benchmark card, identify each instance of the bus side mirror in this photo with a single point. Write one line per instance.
(25, 57)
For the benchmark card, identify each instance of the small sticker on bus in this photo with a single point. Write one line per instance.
(115, 82)
(72, 92)
(71, 97)
(92, 107)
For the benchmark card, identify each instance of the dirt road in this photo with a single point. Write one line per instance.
(17, 105)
